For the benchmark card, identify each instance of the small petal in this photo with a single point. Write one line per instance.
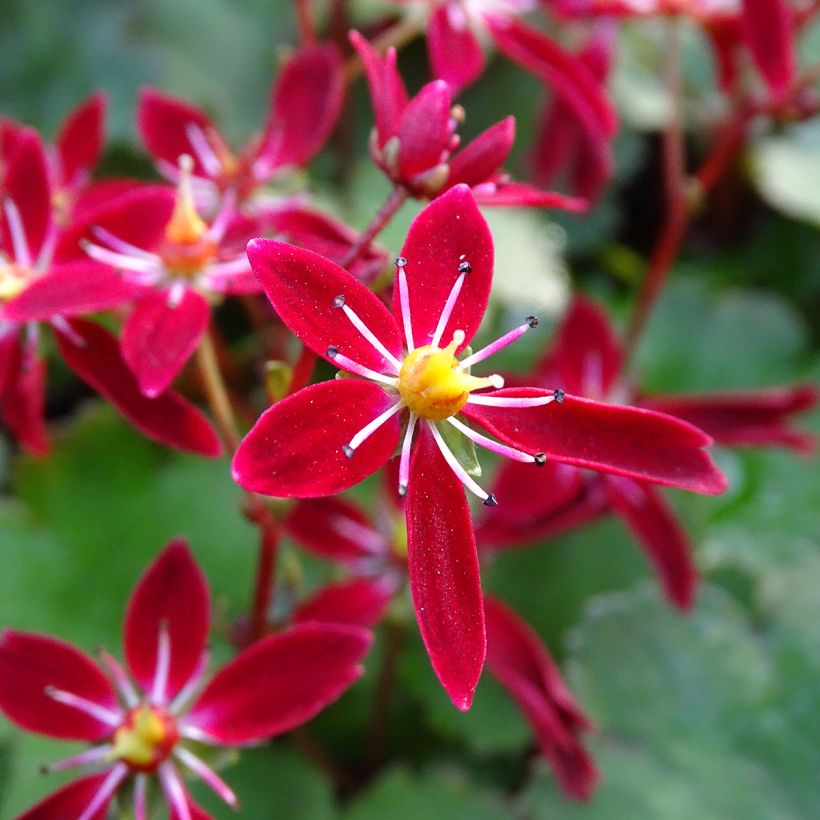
(522, 195)
(484, 155)
(70, 801)
(424, 132)
(159, 337)
(769, 26)
(449, 231)
(80, 141)
(295, 448)
(22, 398)
(94, 355)
(172, 594)
(444, 575)
(31, 663)
(360, 602)
(611, 438)
(455, 54)
(279, 683)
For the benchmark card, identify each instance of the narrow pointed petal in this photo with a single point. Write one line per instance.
(627, 441)
(70, 801)
(172, 594)
(302, 286)
(484, 155)
(80, 141)
(295, 448)
(164, 122)
(511, 194)
(444, 575)
(195, 811)
(769, 26)
(279, 683)
(22, 399)
(70, 289)
(455, 54)
(30, 663)
(516, 656)
(159, 337)
(94, 355)
(662, 538)
(425, 129)
(360, 602)
(755, 418)
(26, 184)
(307, 100)
(448, 231)
(335, 529)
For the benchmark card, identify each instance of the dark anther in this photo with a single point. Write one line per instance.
(332, 352)
(464, 267)
(540, 459)
(401, 262)
(338, 301)
(491, 500)
(532, 321)
(559, 396)
(402, 490)
(348, 450)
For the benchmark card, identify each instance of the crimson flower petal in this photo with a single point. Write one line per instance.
(424, 133)
(70, 801)
(302, 287)
(31, 663)
(360, 602)
(94, 355)
(653, 523)
(159, 337)
(22, 398)
(769, 26)
(164, 121)
(444, 575)
(510, 194)
(307, 100)
(519, 660)
(757, 418)
(279, 683)
(80, 140)
(335, 529)
(195, 811)
(295, 448)
(484, 155)
(611, 438)
(450, 230)
(70, 289)
(455, 54)
(172, 594)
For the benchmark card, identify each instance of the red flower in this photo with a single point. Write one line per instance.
(144, 731)
(414, 140)
(329, 436)
(587, 359)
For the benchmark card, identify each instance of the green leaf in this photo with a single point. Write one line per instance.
(461, 447)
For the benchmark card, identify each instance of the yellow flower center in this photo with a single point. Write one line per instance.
(145, 738)
(434, 385)
(13, 279)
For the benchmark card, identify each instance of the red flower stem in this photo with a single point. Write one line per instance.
(304, 19)
(392, 204)
(383, 696)
(216, 392)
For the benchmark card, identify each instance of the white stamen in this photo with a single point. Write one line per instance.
(227, 211)
(84, 705)
(447, 310)
(81, 759)
(371, 428)
(186, 693)
(174, 791)
(206, 155)
(140, 797)
(44, 258)
(364, 536)
(198, 735)
(509, 401)
(121, 260)
(348, 364)
(203, 771)
(493, 348)
(494, 446)
(160, 684)
(121, 246)
(19, 243)
(218, 276)
(60, 324)
(368, 334)
(121, 681)
(404, 461)
(463, 476)
(404, 301)
(107, 788)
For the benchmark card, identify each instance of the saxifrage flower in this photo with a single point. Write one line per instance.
(405, 367)
(148, 725)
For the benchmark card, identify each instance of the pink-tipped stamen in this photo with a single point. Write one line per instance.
(85, 758)
(365, 537)
(121, 261)
(509, 401)
(218, 276)
(140, 797)
(463, 476)
(197, 735)
(61, 324)
(191, 687)
(489, 444)
(493, 348)
(107, 788)
(447, 311)
(174, 791)
(160, 684)
(404, 301)
(205, 773)
(19, 242)
(119, 677)
(123, 247)
(350, 448)
(404, 461)
(368, 334)
(84, 705)
(176, 293)
(348, 364)
(202, 150)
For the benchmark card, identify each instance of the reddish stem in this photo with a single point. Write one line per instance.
(304, 19)
(269, 532)
(392, 204)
